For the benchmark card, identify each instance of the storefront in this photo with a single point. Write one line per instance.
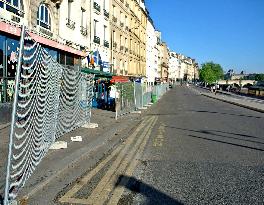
(9, 50)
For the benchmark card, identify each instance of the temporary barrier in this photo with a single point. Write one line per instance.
(147, 91)
(160, 90)
(125, 98)
(49, 100)
(138, 96)
(135, 96)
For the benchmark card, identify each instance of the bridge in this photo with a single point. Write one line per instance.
(241, 83)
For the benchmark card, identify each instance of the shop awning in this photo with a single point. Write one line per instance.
(119, 79)
(98, 74)
(13, 30)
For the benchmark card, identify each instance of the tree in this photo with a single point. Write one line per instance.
(259, 77)
(211, 72)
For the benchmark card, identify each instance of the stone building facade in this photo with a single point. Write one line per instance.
(128, 34)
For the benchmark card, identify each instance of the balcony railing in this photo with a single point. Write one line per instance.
(106, 44)
(84, 31)
(106, 14)
(97, 39)
(97, 7)
(45, 32)
(70, 24)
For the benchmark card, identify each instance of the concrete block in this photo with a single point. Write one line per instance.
(90, 125)
(76, 139)
(59, 145)
(136, 112)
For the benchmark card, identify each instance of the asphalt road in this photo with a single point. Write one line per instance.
(186, 149)
(200, 151)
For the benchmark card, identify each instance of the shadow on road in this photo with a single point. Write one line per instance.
(223, 113)
(203, 111)
(229, 143)
(211, 132)
(153, 195)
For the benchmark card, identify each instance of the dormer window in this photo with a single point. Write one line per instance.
(44, 19)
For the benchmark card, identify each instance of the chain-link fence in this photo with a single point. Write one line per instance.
(49, 100)
(136, 96)
(125, 98)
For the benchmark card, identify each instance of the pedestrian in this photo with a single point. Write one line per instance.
(214, 89)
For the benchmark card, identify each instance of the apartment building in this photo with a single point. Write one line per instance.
(100, 49)
(51, 23)
(128, 38)
(164, 66)
(174, 68)
(152, 53)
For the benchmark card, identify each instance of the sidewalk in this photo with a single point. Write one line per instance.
(230, 98)
(95, 144)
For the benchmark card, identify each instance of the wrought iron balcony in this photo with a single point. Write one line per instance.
(106, 44)
(84, 31)
(97, 39)
(114, 19)
(97, 7)
(70, 24)
(106, 14)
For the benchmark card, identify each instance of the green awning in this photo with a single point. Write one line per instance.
(97, 73)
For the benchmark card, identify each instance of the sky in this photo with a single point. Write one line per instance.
(228, 32)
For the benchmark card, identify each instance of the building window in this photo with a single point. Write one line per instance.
(69, 8)
(95, 27)
(105, 29)
(14, 6)
(82, 17)
(9, 49)
(114, 12)
(44, 19)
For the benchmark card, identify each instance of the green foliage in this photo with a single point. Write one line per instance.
(259, 77)
(211, 72)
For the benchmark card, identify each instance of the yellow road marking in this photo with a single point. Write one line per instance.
(118, 191)
(68, 196)
(106, 185)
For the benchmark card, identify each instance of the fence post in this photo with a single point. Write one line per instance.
(13, 121)
(116, 103)
(135, 99)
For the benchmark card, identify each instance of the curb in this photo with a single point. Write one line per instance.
(235, 103)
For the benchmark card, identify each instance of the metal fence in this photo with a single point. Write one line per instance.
(125, 98)
(138, 96)
(135, 96)
(49, 100)
(147, 92)
(160, 90)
